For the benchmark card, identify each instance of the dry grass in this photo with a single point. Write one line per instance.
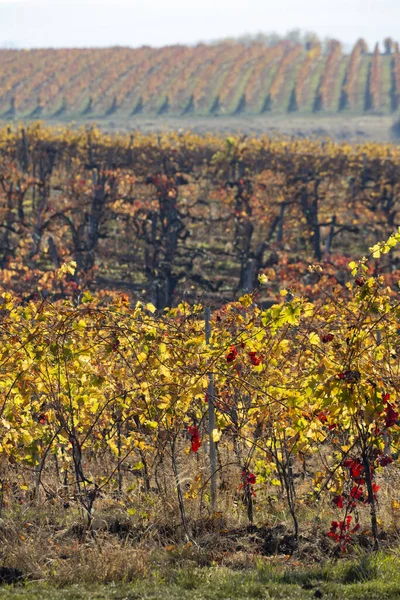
(140, 532)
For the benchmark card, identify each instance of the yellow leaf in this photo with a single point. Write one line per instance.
(164, 371)
(246, 300)
(216, 435)
(353, 267)
(263, 279)
(275, 482)
(142, 357)
(87, 297)
(69, 267)
(150, 307)
(314, 339)
(376, 250)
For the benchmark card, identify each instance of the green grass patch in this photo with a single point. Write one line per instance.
(367, 576)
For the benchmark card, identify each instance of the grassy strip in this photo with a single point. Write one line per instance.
(369, 576)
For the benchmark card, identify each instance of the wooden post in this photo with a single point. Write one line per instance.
(211, 419)
(248, 285)
(331, 234)
(279, 237)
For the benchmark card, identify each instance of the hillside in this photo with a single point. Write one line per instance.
(229, 78)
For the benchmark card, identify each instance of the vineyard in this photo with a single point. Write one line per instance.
(199, 350)
(280, 409)
(182, 216)
(229, 78)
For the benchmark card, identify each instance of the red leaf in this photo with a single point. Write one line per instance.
(328, 337)
(392, 415)
(194, 438)
(43, 418)
(254, 358)
(357, 492)
(195, 445)
(251, 478)
(375, 488)
(384, 460)
(230, 357)
(338, 500)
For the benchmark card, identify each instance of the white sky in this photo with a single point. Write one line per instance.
(58, 23)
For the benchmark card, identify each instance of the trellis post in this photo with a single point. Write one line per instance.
(211, 418)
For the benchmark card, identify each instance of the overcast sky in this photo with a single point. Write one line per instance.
(57, 23)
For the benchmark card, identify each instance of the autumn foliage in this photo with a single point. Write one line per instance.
(220, 78)
(179, 215)
(90, 378)
(100, 388)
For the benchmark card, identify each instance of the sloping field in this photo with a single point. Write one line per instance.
(228, 78)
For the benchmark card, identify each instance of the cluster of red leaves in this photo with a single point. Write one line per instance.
(356, 470)
(233, 353)
(338, 500)
(248, 480)
(194, 437)
(230, 357)
(357, 474)
(357, 492)
(341, 531)
(255, 360)
(391, 415)
(323, 417)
